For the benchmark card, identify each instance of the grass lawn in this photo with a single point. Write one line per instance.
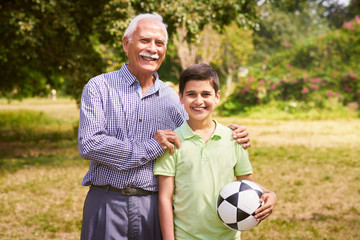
(313, 166)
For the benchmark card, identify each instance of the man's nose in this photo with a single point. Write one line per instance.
(151, 46)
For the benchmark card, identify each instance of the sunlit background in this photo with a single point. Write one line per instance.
(289, 71)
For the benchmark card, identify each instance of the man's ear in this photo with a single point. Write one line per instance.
(125, 41)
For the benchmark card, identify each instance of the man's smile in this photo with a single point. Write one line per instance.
(149, 57)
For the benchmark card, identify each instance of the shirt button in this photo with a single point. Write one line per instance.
(140, 120)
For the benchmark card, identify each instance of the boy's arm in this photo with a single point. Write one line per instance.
(269, 199)
(166, 193)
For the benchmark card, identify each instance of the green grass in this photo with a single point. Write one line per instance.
(313, 166)
(300, 111)
(29, 125)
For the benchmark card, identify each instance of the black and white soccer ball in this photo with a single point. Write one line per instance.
(236, 204)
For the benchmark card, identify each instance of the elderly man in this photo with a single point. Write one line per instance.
(126, 122)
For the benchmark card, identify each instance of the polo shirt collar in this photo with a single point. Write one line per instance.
(187, 132)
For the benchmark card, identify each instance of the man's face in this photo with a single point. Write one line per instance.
(147, 49)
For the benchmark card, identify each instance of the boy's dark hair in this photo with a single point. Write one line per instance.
(198, 72)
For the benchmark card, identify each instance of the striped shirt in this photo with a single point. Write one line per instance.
(117, 126)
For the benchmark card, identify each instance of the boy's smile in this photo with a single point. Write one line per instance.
(199, 99)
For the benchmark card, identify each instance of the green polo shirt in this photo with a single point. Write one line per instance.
(201, 170)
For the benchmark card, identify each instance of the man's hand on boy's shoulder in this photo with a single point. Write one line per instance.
(167, 139)
(241, 135)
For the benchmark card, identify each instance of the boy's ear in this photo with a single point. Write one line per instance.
(217, 96)
(181, 99)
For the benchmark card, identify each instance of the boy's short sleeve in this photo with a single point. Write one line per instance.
(243, 165)
(166, 164)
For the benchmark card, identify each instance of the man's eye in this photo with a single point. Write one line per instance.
(160, 43)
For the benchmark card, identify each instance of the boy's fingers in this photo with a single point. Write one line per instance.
(265, 210)
(262, 213)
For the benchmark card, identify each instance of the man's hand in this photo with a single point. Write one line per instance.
(241, 135)
(167, 139)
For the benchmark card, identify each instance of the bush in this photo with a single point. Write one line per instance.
(319, 69)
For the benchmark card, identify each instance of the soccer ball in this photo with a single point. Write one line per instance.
(236, 204)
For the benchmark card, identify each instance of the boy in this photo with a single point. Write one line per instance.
(208, 159)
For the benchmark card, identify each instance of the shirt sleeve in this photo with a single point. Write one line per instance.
(243, 165)
(166, 164)
(95, 143)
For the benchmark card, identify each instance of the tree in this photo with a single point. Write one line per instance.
(354, 9)
(228, 50)
(43, 41)
(282, 23)
(187, 52)
(205, 49)
(185, 20)
(47, 42)
(236, 49)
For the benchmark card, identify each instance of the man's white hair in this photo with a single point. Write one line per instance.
(150, 16)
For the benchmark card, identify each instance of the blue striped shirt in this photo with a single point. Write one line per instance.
(117, 126)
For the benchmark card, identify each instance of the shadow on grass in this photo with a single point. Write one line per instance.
(21, 155)
(29, 139)
(32, 126)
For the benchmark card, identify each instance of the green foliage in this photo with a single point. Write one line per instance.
(45, 41)
(52, 43)
(170, 68)
(235, 49)
(197, 14)
(321, 68)
(283, 23)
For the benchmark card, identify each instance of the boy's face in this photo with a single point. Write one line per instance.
(199, 99)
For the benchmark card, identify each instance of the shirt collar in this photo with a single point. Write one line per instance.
(130, 79)
(189, 133)
(156, 84)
